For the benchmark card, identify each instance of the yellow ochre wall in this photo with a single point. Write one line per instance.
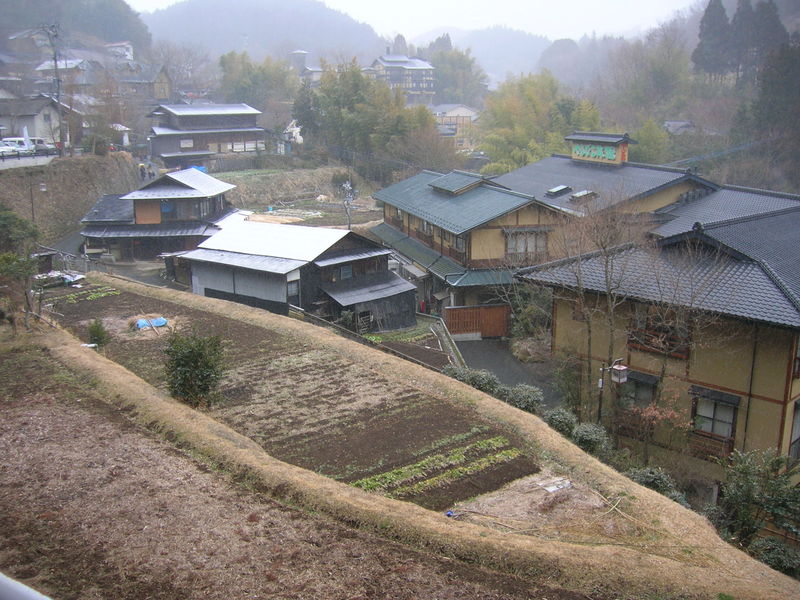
(724, 353)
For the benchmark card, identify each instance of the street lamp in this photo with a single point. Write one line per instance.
(619, 375)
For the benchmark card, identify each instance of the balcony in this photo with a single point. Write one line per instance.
(425, 238)
(659, 342)
(709, 446)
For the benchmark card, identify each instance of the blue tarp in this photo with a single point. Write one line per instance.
(157, 322)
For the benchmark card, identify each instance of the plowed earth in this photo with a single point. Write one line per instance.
(92, 507)
(319, 410)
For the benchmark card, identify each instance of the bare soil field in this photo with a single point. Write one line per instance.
(323, 412)
(523, 500)
(93, 507)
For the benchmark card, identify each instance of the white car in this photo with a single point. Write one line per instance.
(6, 148)
(19, 145)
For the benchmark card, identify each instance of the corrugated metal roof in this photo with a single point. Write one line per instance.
(269, 264)
(351, 255)
(454, 213)
(175, 229)
(484, 277)
(193, 153)
(164, 131)
(722, 205)
(367, 288)
(271, 239)
(613, 184)
(188, 183)
(441, 266)
(210, 109)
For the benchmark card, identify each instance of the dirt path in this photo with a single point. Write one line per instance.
(92, 507)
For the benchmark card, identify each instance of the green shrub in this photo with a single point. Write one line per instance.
(194, 366)
(525, 397)
(98, 334)
(591, 438)
(659, 480)
(777, 554)
(480, 379)
(562, 420)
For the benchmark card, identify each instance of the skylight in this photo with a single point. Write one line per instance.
(558, 190)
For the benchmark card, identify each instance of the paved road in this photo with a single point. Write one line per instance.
(495, 356)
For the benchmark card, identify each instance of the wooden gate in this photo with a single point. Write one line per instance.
(489, 320)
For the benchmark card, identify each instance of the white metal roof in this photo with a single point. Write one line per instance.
(210, 109)
(271, 239)
(188, 183)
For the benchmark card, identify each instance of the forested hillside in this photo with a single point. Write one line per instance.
(265, 27)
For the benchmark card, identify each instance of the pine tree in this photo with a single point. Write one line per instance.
(712, 52)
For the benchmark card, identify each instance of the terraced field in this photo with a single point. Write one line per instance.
(318, 409)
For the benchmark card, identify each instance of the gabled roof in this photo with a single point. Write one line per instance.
(253, 262)
(270, 239)
(110, 208)
(188, 183)
(453, 212)
(184, 110)
(721, 205)
(613, 184)
(24, 107)
(161, 230)
(402, 61)
(162, 131)
(594, 136)
(753, 273)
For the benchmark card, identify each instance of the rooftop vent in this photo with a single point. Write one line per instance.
(559, 190)
(583, 196)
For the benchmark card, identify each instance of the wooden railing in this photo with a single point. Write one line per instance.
(659, 342)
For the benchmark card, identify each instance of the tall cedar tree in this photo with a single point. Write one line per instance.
(769, 33)
(743, 40)
(712, 54)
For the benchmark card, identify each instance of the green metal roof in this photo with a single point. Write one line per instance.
(441, 266)
(452, 211)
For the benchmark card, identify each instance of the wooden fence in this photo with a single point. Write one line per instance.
(488, 320)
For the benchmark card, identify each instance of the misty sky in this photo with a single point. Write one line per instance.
(551, 18)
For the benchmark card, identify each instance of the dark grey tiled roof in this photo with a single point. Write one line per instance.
(594, 136)
(613, 184)
(173, 229)
(374, 286)
(455, 213)
(455, 181)
(110, 209)
(757, 276)
(722, 205)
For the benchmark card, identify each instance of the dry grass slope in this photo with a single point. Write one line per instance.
(676, 553)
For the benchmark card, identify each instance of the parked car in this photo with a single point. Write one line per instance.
(20, 145)
(42, 147)
(7, 149)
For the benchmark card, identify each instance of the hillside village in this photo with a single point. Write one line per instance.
(444, 367)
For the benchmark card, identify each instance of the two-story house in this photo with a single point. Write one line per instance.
(325, 271)
(469, 232)
(707, 321)
(413, 76)
(173, 212)
(189, 133)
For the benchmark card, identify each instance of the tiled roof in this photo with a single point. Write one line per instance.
(454, 213)
(722, 205)
(755, 276)
(374, 286)
(170, 229)
(613, 184)
(593, 136)
(455, 181)
(110, 208)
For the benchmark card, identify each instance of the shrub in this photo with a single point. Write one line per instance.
(480, 379)
(777, 554)
(562, 420)
(194, 366)
(525, 397)
(659, 480)
(591, 438)
(98, 334)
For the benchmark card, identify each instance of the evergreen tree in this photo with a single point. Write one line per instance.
(743, 40)
(769, 33)
(712, 52)
(399, 46)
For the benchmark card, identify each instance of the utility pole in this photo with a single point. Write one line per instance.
(51, 31)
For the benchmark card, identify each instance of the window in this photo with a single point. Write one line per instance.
(292, 289)
(526, 242)
(46, 117)
(447, 237)
(714, 417)
(426, 227)
(659, 330)
(346, 271)
(638, 391)
(460, 243)
(398, 213)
